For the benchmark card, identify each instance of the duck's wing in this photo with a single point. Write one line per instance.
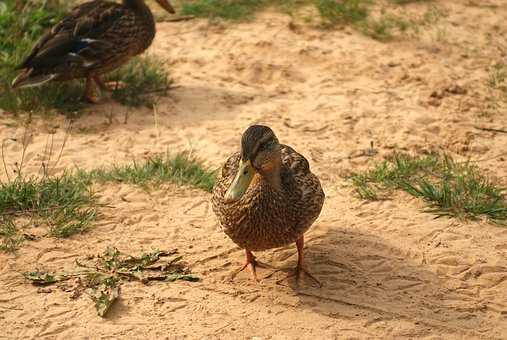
(302, 186)
(295, 161)
(80, 41)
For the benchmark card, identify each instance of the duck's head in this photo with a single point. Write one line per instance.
(260, 155)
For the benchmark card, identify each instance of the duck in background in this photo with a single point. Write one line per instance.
(94, 38)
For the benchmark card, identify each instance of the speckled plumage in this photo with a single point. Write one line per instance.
(264, 217)
(94, 38)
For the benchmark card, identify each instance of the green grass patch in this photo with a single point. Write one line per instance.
(66, 205)
(386, 27)
(456, 189)
(392, 23)
(332, 13)
(63, 204)
(406, 2)
(9, 234)
(21, 25)
(496, 82)
(224, 9)
(335, 12)
(180, 169)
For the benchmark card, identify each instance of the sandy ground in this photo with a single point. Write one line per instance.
(389, 270)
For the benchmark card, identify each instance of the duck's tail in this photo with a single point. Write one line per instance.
(27, 79)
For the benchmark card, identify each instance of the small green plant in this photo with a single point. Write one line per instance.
(179, 169)
(450, 188)
(101, 277)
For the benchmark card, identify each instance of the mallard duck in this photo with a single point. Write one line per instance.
(266, 197)
(94, 38)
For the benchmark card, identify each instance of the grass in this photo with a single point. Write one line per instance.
(10, 238)
(395, 23)
(335, 12)
(332, 13)
(225, 9)
(180, 169)
(455, 189)
(497, 90)
(63, 204)
(384, 27)
(66, 205)
(406, 2)
(21, 24)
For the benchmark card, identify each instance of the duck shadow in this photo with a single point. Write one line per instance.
(364, 276)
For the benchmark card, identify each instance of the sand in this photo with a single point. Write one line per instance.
(389, 269)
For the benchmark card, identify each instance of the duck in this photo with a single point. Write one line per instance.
(94, 38)
(266, 197)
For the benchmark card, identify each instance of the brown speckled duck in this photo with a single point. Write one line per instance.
(266, 196)
(94, 38)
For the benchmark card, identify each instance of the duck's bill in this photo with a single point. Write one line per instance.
(241, 182)
(167, 6)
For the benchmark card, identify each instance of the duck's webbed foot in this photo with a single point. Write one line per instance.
(300, 270)
(252, 264)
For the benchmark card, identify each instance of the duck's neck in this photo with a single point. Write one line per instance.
(272, 176)
(145, 17)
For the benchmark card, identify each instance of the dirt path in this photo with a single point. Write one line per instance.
(389, 270)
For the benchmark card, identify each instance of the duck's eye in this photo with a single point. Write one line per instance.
(265, 146)
(245, 172)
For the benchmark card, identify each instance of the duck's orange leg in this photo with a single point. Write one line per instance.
(300, 244)
(89, 94)
(251, 263)
(300, 269)
(101, 83)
